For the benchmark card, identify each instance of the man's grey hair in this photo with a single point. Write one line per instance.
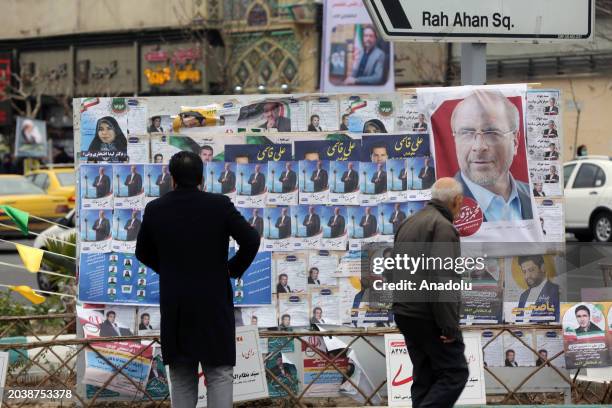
(446, 193)
(485, 98)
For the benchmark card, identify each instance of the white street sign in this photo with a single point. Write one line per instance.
(529, 21)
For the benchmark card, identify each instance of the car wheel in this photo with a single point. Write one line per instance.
(602, 227)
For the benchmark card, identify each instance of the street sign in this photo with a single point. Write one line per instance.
(527, 21)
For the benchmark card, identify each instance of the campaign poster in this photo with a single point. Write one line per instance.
(349, 264)
(108, 127)
(397, 180)
(354, 58)
(400, 379)
(282, 183)
(492, 168)
(309, 230)
(158, 382)
(348, 289)
(325, 302)
(484, 303)
(322, 266)
(314, 181)
(492, 348)
(149, 321)
(261, 316)
(329, 378)
(516, 354)
(335, 235)
(408, 118)
(544, 130)
(279, 228)
(31, 138)
(285, 372)
(255, 218)
(210, 147)
(128, 186)
(551, 217)
(159, 124)
(549, 343)
(362, 225)
(126, 225)
(546, 178)
(276, 115)
(294, 309)
(249, 372)
(336, 149)
(96, 188)
(323, 114)
(95, 230)
(255, 286)
(366, 115)
(532, 289)
(221, 178)
(374, 187)
(99, 320)
(251, 184)
(420, 177)
(158, 181)
(344, 186)
(117, 278)
(290, 272)
(584, 335)
(134, 356)
(364, 311)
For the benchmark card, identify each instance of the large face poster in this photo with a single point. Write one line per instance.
(31, 138)
(584, 335)
(480, 141)
(354, 57)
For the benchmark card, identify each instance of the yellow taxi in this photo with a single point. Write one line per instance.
(58, 181)
(19, 192)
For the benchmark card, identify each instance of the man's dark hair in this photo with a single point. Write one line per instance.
(536, 259)
(312, 270)
(158, 155)
(153, 118)
(110, 312)
(582, 307)
(314, 116)
(317, 308)
(186, 169)
(145, 314)
(285, 315)
(543, 351)
(207, 147)
(283, 274)
(369, 27)
(346, 115)
(378, 146)
(510, 351)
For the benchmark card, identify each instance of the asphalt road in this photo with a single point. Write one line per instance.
(15, 276)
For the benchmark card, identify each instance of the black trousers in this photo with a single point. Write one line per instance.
(440, 370)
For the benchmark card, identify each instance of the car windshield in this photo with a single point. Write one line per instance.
(18, 186)
(66, 179)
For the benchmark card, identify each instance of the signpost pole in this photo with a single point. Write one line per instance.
(473, 63)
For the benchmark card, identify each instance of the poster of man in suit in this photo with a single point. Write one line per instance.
(96, 186)
(128, 187)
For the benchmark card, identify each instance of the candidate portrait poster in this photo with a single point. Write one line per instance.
(354, 56)
(480, 141)
(31, 138)
(584, 335)
(96, 188)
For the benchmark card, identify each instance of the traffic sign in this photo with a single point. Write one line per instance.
(530, 21)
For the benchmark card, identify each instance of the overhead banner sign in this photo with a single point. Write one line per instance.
(529, 21)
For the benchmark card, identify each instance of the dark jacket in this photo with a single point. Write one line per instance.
(102, 228)
(320, 183)
(257, 223)
(165, 185)
(257, 182)
(549, 294)
(370, 227)
(135, 186)
(432, 224)
(427, 176)
(284, 226)
(337, 229)
(229, 184)
(397, 219)
(380, 181)
(314, 227)
(102, 185)
(196, 300)
(132, 233)
(351, 181)
(288, 179)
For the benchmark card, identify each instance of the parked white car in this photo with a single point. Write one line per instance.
(588, 198)
(59, 233)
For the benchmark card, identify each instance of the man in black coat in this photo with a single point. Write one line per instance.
(102, 227)
(184, 237)
(257, 181)
(350, 178)
(429, 319)
(133, 181)
(283, 223)
(227, 179)
(379, 178)
(288, 179)
(397, 217)
(164, 181)
(368, 223)
(132, 226)
(427, 175)
(312, 222)
(102, 184)
(257, 222)
(336, 224)
(319, 178)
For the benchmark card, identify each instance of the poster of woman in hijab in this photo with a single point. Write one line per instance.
(31, 138)
(106, 125)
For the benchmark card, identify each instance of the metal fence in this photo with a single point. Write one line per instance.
(54, 356)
